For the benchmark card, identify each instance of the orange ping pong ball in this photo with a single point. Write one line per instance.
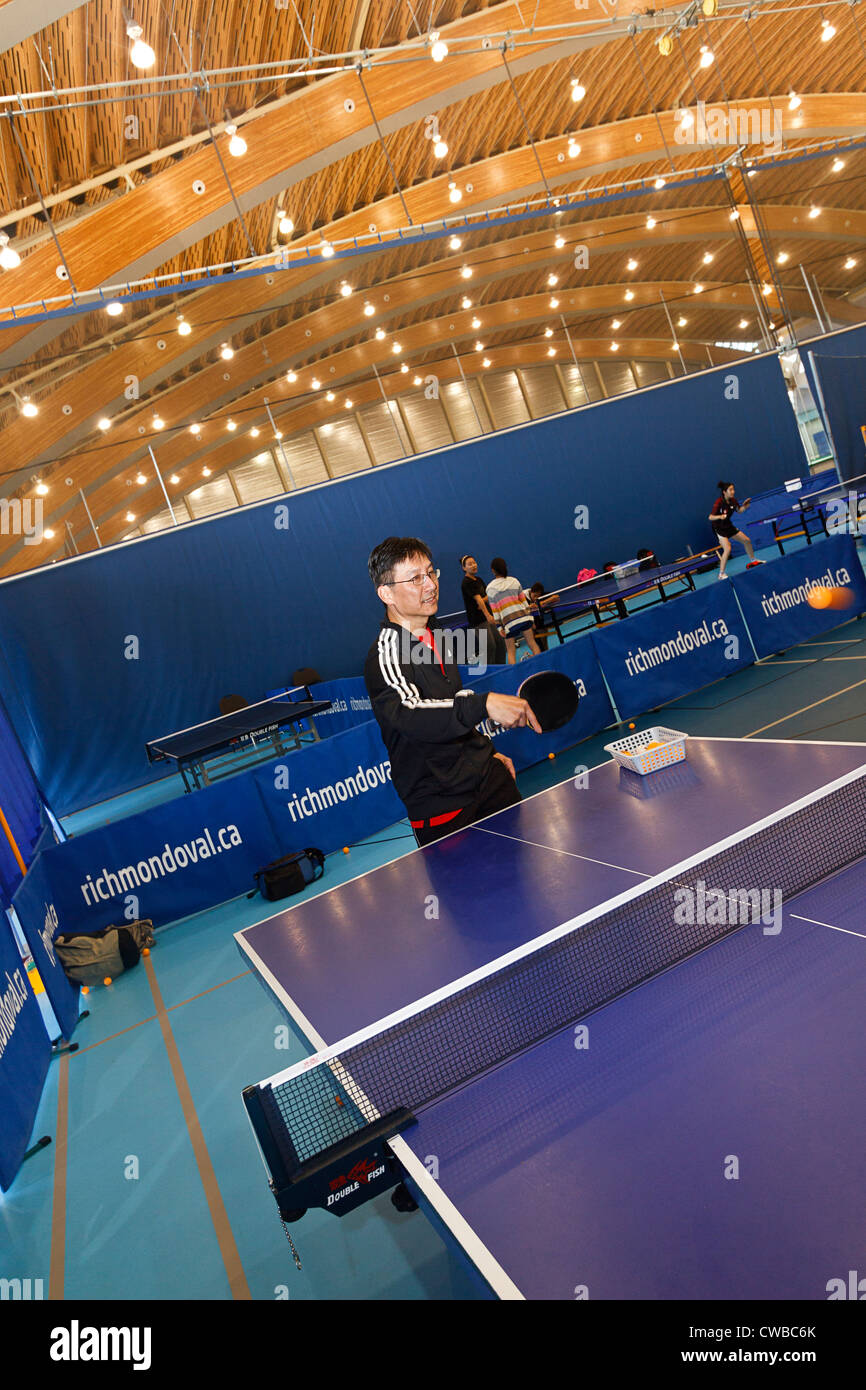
(146, 951)
(345, 849)
(85, 989)
(819, 596)
(841, 597)
(631, 726)
(107, 980)
(551, 756)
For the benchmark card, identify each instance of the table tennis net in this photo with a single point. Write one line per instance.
(427, 1052)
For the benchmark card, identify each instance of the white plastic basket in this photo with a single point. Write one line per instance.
(636, 753)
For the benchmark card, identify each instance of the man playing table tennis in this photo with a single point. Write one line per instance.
(445, 772)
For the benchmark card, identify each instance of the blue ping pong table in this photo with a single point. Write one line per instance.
(839, 509)
(698, 1137)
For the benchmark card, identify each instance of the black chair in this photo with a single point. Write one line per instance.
(305, 675)
(230, 703)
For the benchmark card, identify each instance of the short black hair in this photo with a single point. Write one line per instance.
(498, 565)
(537, 588)
(392, 552)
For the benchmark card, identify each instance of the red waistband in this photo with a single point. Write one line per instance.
(434, 820)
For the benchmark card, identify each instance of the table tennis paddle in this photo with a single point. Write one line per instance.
(552, 697)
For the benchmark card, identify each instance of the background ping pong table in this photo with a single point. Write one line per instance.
(231, 741)
(699, 1137)
(808, 514)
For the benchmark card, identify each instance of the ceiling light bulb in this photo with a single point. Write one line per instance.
(103, 423)
(141, 479)
(403, 368)
(237, 144)
(380, 333)
(174, 479)
(278, 434)
(195, 429)
(616, 324)
(578, 92)
(708, 257)
(699, 289)
(476, 323)
(744, 323)
(466, 302)
(231, 426)
(650, 222)
(345, 289)
(454, 193)
(551, 352)
(485, 362)
(735, 215)
(766, 289)
(552, 280)
(455, 243)
(681, 322)
(559, 243)
(573, 149)
(850, 263)
(794, 102)
(396, 349)
(659, 183)
(141, 54)
(837, 165)
(315, 383)
(548, 332)
(254, 433)
(9, 257)
(227, 352)
(439, 48)
(291, 378)
(114, 308)
(614, 347)
(674, 345)
(782, 258)
(707, 57)
(28, 408)
(440, 149)
(369, 311)
(554, 302)
(287, 226)
(416, 381)
(205, 472)
(466, 272)
(629, 294)
(158, 422)
(130, 516)
(329, 396)
(183, 328)
(814, 212)
(827, 31)
(326, 250)
(41, 489)
(348, 403)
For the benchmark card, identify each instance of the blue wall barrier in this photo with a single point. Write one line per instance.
(97, 655)
(350, 705)
(774, 598)
(22, 806)
(674, 648)
(36, 908)
(25, 1052)
(204, 848)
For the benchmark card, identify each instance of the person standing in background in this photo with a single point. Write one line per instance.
(510, 607)
(478, 610)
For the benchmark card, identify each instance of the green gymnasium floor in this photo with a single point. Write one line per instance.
(153, 1188)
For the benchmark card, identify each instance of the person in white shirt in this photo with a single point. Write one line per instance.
(509, 605)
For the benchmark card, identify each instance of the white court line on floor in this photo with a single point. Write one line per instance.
(572, 854)
(814, 705)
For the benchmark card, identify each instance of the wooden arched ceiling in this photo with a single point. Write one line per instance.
(112, 211)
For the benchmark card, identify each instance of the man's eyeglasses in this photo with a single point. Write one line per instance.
(417, 580)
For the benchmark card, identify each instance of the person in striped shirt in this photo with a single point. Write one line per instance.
(509, 604)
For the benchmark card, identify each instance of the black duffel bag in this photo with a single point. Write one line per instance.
(288, 875)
